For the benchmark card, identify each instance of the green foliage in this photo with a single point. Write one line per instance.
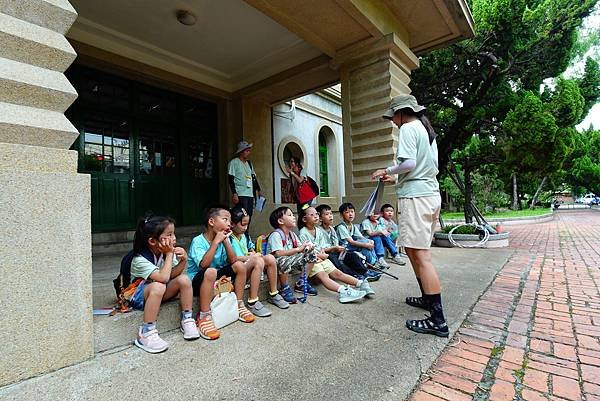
(566, 104)
(589, 84)
(488, 193)
(583, 168)
(471, 86)
(530, 131)
(483, 94)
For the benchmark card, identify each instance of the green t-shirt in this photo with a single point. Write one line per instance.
(319, 239)
(413, 143)
(331, 237)
(344, 232)
(367, 226)
(242, 174)
(141, 267)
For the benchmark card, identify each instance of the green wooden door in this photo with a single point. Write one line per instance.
(199, 161)
(157, 179)
(106, 156)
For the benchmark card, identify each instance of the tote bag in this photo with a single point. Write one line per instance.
(224, 309)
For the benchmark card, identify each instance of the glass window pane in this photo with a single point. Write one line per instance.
(102, 133)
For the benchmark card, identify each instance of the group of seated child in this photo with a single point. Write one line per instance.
(325, 253)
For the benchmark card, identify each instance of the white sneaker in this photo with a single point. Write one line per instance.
(189, 329)
(366, 287)
(151, 342)
(382, 263)
(348, 294)
(399, 260)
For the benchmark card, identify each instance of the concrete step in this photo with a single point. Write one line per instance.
(120, 329)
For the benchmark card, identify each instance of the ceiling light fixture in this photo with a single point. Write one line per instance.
(186, 17)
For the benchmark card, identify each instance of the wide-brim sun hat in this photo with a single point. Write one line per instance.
(243, 145)
(402, 102)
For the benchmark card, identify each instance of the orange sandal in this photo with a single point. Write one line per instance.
(207, 328)
(245, 315)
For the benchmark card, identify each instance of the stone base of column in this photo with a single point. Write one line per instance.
(45, 262)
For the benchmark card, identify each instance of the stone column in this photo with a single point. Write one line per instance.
(45, 261)
(371, 75)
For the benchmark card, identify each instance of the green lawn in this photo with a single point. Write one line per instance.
(503, 213)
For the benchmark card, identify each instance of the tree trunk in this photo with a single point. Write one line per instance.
(515, 194)
(537, 193)
(468, 196)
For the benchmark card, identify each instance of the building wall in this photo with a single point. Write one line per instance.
(300, 122)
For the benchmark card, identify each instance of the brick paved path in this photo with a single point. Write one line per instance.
(534, 335)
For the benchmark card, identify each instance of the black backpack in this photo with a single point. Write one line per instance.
(124, 277)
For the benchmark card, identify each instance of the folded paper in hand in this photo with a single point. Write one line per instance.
(375, 199)
(260, 203)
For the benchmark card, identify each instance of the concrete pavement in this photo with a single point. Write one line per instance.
(321, 350)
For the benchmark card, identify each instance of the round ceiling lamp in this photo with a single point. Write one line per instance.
(186, 17)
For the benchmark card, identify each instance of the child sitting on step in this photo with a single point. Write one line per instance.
(324, 270)
(290, 255)
(350, 235)
(256, 263)
(352, 264)
(211, 257)
(375, 229)
(160, 263)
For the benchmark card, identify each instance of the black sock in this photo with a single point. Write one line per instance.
(420, 286)
(435, 306)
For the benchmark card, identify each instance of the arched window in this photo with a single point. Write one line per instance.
(323, 166)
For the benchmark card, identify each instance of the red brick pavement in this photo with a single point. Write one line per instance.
(534, 334)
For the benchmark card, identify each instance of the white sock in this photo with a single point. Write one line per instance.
(359, 283)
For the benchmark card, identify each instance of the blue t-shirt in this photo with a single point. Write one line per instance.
(241, 246)
(198, 249)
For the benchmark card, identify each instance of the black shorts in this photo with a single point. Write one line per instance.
(199, 277)
(247, 202)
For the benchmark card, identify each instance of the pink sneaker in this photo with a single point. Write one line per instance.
(189, 329)
(151, 342)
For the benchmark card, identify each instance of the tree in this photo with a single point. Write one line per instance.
(471, 87)
(583, 170)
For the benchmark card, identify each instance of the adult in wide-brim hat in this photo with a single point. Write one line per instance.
(242, 178)
(241, 146)
(402, 102)
(419, 203)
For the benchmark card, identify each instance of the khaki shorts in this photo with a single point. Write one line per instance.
(418, 219)
(324, 266)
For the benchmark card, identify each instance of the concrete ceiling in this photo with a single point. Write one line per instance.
(231, 46)
(238, 44)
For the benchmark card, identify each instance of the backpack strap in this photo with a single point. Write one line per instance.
(293, 237)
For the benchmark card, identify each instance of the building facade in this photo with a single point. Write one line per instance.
(166, 90)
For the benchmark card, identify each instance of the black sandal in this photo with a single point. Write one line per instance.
(428, 326)
(417, 302)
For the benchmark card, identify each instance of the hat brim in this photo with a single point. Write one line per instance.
(244, 148)
(389, 114)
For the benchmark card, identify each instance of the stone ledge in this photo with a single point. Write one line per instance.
(19, 157)
(36, 127)
(507, 221)
(494, 240)
(56, 15)
(34, 86)
(32, 44)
